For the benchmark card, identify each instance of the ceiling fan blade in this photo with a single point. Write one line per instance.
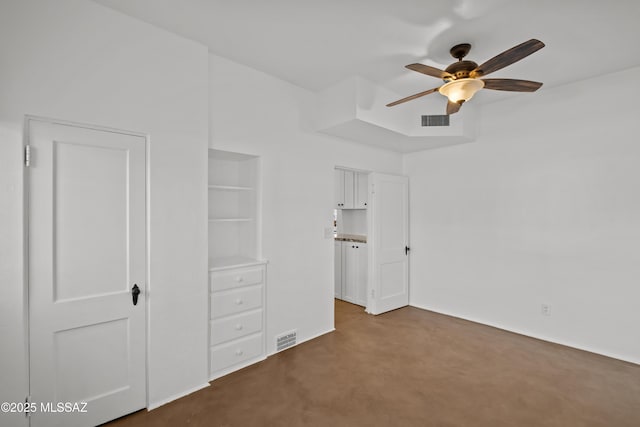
(512, 85)
(453, 107)
(429, 71)
(409, 98)
(508, 57)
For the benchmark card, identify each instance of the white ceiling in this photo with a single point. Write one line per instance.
(314, 44)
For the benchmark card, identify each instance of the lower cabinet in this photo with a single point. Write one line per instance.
(351, 272)
(237, 318)
(337, 269)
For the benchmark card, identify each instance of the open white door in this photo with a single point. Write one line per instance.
(87, 250)
(388, 241)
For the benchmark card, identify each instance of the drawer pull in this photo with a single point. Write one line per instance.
(239, 327)
(239, 352)
(239, 279)
(239, 301)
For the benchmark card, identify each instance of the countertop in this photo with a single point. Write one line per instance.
(351, 238)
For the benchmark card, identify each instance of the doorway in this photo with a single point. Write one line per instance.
(350, 235)
(371, 240)
(87, 272)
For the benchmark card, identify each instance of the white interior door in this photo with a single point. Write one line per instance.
(388, 240)
(87, 249)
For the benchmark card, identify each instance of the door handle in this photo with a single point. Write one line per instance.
(135, 291)
(406, 250)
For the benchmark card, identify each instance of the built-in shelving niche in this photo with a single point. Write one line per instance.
(234, 212)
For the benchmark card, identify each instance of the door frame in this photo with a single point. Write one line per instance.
(26, 187)
(367, 226)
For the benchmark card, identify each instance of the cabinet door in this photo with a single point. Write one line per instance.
(361, 273)
(350, 266)
(338, 269)
(361, 188)
(338, 188)
(354, 285)
(349, 189)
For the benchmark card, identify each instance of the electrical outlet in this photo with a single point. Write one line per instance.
(545, 309)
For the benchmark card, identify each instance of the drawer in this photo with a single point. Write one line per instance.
(235, 352)
(231, 328)
(235, 301)
(221, 280)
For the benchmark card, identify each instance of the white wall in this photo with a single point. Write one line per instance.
(355, 109)
(354, 221)
(254, 113)
(76, 60)
(543, 208)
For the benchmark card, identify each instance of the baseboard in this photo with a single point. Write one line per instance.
(250, 362)
(221, 373)
(155, 405)
(307, 339)
(532, 335)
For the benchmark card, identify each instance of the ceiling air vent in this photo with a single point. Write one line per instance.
(437, 120)
(286, 340)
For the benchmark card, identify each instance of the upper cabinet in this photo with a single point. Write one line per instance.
(361, 186)
(350, 189)
(338, 188)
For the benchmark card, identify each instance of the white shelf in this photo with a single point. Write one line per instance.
(236, 272)
(230, 188)
(234, 215)
(230, 219)
(223, 263)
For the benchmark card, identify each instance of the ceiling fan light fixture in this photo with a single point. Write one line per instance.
(461, 90)
(462, 77)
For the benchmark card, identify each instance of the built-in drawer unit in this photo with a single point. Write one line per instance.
(228, 279)
(233, 327)
(236, 352)
(236, 318)
(235, 301)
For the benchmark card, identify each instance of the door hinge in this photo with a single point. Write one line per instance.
(373, 189)
(27, 155)
(373, 293)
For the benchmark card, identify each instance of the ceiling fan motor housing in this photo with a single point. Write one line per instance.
(460, 70)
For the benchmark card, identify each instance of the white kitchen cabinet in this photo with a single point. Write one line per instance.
(337, 269)
(351, 272)
(362, 277)
(355, 273)
(344, 188)
(361, 190)
(237, 318)
(351, 189)
(338, 189)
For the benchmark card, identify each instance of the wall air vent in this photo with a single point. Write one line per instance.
(286, 340)
(437, 120)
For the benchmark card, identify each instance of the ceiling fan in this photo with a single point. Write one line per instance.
(462, 78)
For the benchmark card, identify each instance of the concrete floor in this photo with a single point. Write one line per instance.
(412, 367)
